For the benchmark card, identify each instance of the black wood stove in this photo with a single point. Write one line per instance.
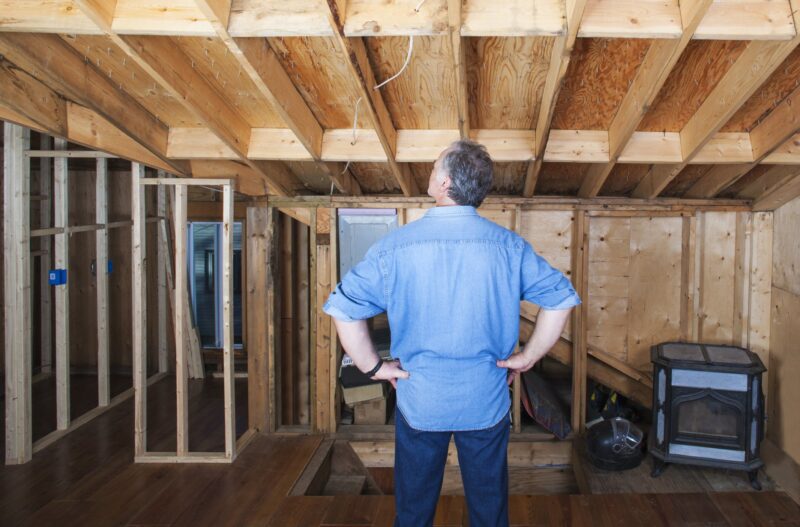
(708, 407)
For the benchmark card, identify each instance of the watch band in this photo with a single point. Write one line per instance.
(374, 370)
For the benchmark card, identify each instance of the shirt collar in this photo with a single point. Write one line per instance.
(453, 210)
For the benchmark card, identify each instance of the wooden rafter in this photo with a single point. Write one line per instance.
(171, 69)
(784, 190)
(652, 74)
(371, 100)
(57, 66)
(772, 133)
(751, 69)
(559, 61)
(459, 65)
(259, 62)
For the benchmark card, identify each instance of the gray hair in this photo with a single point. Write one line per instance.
(470, 169)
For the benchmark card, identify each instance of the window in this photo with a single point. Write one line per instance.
(205, 263)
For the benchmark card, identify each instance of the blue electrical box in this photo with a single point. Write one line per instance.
(110, 267)
(57, 276)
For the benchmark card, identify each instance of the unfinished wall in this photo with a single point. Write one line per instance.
(784, 360)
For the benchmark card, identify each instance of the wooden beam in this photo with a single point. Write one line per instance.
(52, 61)
(181, 291)
(101, 274)
(774, 178)
(260, 236)
(454, 20)
(323, 326)
(559, 62)
(780, 194)
(780, 125)
(23, 93)
(229, 388)
(45, 245)
(139, 307)
(16, 290)
(162, 261)
(262, 66)
(751, 69)
(580, 274)
(372, 103)
(62, 336)
(661, 57)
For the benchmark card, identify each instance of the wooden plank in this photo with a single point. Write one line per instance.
(515, 18)
(335, 352)
(101, 273)
(181, 291)
(162, 262)
(760, 283)
(227, 322)
(780, 194)
(61, 253)
(303, 280)
(23, 93)
(716, 311)
(559, 61)
(45, 245)
(371, 100)
(260, 235)
(323, 373)
(580, 275)
(784, 428)
(139, 308)
(454, 21)
(16, 290)
(753, 67)
(287, 323)
(662, 55)
(59, 67)
(688, 248)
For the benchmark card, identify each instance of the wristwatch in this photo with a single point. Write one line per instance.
(374, 370)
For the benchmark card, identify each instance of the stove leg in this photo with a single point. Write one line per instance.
(658, 467)
(753, 477)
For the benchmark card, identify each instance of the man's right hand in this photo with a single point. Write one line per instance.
(391, 370)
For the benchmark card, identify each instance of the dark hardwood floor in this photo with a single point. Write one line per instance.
(88, 478)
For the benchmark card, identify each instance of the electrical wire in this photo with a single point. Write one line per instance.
(387, 81)
(419, 5)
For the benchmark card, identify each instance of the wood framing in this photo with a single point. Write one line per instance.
(17, 286)
(139, 303)
(101, 273)
(652, 74)
(580, 263)
(162, 261)
(559, 61)
(181, 310)
(371, 99)
(61, 262)
(45, 245)
(750, 70)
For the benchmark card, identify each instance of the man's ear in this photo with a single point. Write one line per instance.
(445, 184)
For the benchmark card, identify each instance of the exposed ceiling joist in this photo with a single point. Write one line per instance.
(371, 100)
(559, 62)
(784, 191)
(454, 21)
(751, 69)
(652, 74)
(49, 60)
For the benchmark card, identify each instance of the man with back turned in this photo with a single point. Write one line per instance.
(451, 284)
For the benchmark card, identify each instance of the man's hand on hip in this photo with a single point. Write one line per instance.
(391, 370)
(516, 364)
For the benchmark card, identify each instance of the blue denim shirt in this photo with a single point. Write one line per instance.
(451, 284)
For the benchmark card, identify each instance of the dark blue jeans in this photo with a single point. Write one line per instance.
(419, 460)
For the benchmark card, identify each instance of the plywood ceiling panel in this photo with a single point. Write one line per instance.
(623, 179)
(375, 178)
(561, 179)
(684, 181)
(505, 79)
(597, 80)
(421, 173)
(113, 62)
(320, 74)
(509, 178)
(211, 58)
(743, 182)
(311, 176)
(424, 95)
(779, 85)
(701, 66)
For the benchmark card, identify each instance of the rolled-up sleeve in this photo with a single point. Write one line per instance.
(544, 285)
(361, 293)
